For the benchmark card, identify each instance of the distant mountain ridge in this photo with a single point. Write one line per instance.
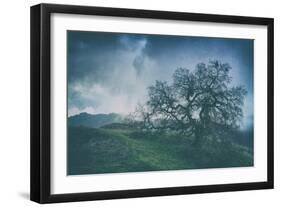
(94, 120)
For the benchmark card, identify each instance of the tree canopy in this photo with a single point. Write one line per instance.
(195, 103)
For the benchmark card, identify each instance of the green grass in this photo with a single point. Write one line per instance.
(104, 150)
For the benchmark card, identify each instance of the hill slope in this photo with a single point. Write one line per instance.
(94, 120)
(113, 150)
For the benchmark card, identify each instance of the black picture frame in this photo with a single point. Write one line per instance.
(40, 184)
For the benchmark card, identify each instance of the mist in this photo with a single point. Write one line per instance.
(110, 72)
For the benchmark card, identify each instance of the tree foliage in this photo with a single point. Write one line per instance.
(195, 103)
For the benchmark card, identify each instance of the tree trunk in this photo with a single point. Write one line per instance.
(199, 136)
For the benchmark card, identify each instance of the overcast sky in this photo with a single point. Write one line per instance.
(110, 72)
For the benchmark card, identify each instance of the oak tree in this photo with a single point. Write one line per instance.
(196, 103)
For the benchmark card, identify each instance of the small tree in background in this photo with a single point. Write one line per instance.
(198, 104)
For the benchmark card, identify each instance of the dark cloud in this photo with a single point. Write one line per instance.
(110, 72)
(86, 50)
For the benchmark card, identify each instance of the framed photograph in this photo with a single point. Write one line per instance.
(133, 103)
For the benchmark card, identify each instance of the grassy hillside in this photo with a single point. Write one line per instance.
(121, 149)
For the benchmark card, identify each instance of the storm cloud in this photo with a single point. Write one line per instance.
(110, 72)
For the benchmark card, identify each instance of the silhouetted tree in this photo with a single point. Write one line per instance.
(196, 104)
